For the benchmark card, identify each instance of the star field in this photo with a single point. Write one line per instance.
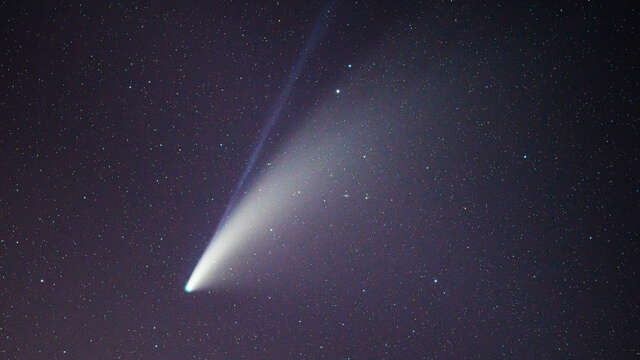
(454, 180)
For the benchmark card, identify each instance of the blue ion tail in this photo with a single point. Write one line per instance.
(319, 30)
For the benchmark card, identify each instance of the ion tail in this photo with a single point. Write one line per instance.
(319, 30)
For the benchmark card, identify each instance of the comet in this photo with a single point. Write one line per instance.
(245, 214)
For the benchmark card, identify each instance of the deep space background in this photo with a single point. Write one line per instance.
(494, 213)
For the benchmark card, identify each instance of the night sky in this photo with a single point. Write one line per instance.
(469, 179)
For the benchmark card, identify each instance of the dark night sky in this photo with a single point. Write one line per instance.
(495, 214)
